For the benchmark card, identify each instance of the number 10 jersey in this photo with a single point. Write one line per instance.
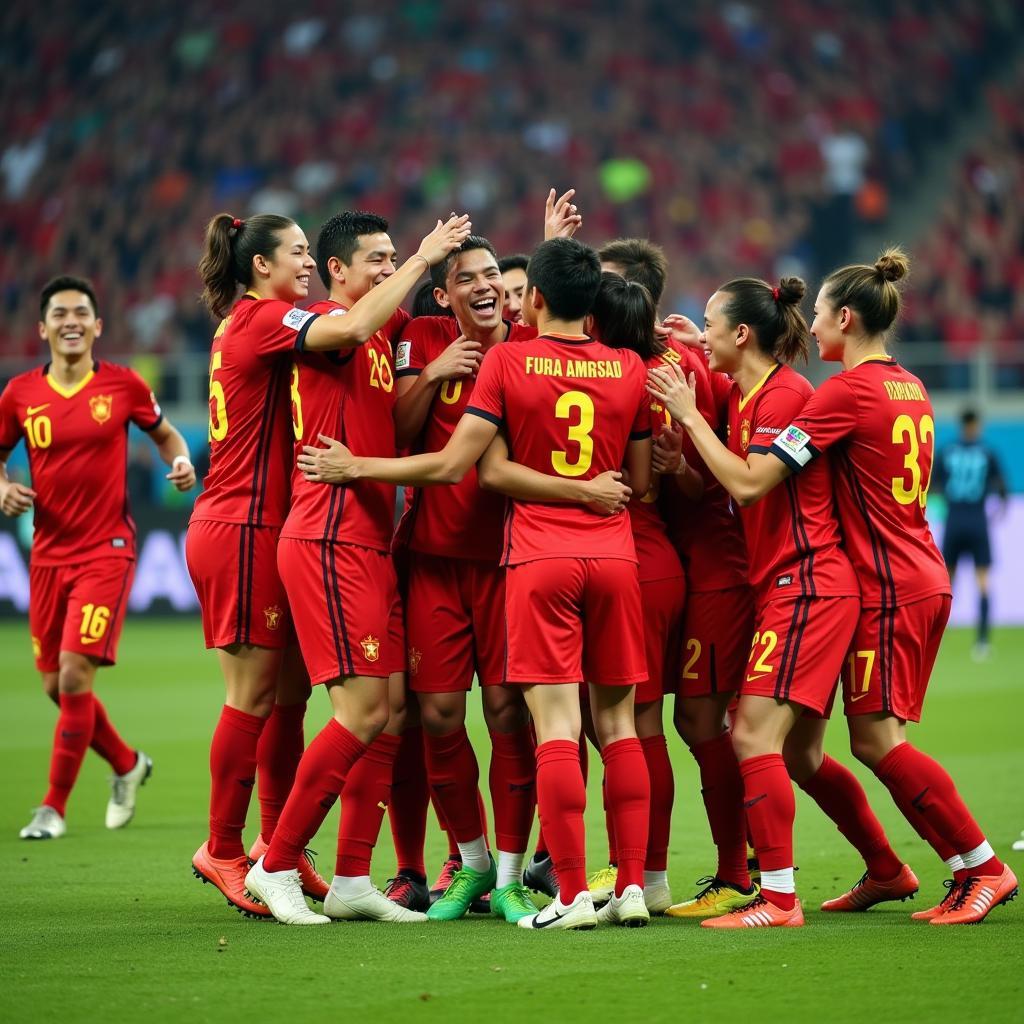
(569, 406)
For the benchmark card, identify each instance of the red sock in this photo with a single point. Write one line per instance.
(609, 823)
(629, 797)
(232, 776)
(835, 789)
(922, 827)
(442, 821)
(562, 799)
(663, 794)
(363, 802)
(320, 778)
(926, 788)
(453, 775)
(722, 790)
(771, 810)
(410, 797)
(277, 756)
(513, 783)
(108, 744)
(71, 739)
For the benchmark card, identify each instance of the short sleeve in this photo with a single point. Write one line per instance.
(413, 351)
(396, 325)
(10, 428)
(144, 411)
(279, 327)
(828, 416)
(488, 399)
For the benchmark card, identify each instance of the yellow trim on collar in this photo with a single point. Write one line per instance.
(69, 392)
(757, 387)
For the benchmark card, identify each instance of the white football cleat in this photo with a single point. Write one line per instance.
(658, 897)
(371, 905)
(46, 823)
(123, 790)
(578, 915)
(628, 910)
(1018, 845)
(281, 893)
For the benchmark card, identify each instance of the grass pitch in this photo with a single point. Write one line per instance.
(112, 926)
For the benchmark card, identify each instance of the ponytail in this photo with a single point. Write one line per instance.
(228, 253)
(773, 313)
(624, 315)
(870, 291)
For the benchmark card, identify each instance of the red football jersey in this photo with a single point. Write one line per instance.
(77, 443)
(878, 421)
(570, 406)
(461, 521)
(707, 534)
(792, 533)
(655, 555)
(250, 443)
(349, 396)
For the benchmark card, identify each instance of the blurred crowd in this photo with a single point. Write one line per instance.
(744, 137)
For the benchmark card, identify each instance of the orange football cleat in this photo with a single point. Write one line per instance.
(952, 888)
(867, 892)
(977, 896)
(759, 914)
(229, 877)
(312, 884)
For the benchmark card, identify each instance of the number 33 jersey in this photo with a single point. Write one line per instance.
(570, 406)
(77, 441)
(878, 422)
(349, 396)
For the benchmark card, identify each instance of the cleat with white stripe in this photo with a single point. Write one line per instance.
(759, 914)
(977, 896)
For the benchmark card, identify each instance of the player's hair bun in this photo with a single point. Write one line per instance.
(791, 291)
(893, 264)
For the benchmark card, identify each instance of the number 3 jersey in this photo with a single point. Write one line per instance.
(348, 396)
(569, 406)
(877, 420)
(77, 441)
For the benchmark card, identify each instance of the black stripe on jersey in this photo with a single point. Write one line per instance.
(641, 435)
(510, 511)
(330, 586)
(154, 425)
(879, 548)
(335, 517)
(803, 545)
(791, 652)
(268, 428)
(886, 630)
(300, 340)
(490, 417)
(116, 610)
(242, 588)
(786, 458)
(410, 371)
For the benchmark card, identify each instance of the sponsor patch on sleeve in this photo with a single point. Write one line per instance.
(337, 312)
(295, 318)
(404, 355)
(156, 404)
(794, 443)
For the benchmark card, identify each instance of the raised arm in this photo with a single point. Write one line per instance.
(747, 480)
(374, 309)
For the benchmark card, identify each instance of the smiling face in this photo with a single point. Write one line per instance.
(474, 291)
(70, 324)
(288, 269)
(514, 280)
(373, 261)
(719, 338)
(827, 327)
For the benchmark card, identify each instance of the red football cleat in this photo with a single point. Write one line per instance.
(867, 892)
(952, 889)
(759, 914)
(978, 895)
(312, 884)
(229, 877)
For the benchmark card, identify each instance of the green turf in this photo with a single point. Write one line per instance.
(112, 926)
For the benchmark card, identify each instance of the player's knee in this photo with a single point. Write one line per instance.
(375, 718)
(866, 749)
(801, 764)
(51, 686)
(442, 717)
(75, 674)
(748, 741)
(506, 716)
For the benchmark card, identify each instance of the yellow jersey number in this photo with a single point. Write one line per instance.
(38, 431)
(218, 402)
(380, 370)
(912, 436)
(296, 403)
(568, 406)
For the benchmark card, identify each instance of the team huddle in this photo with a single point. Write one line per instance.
(602, 509)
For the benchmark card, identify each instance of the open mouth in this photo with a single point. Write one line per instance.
(485, 307)
(72, 336)
(303, 279)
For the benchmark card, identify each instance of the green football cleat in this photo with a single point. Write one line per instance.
(466, 886)
(511, 902)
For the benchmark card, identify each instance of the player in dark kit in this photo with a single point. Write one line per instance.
(74, 415)
(575, 411)
(967, 472)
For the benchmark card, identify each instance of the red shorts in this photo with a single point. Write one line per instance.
(241, 596)
(717, 629)
(454, 623)
(574, 619)
(345, 604)
(663, 602)
(891, 657)
(799, 647)
(78, 608)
